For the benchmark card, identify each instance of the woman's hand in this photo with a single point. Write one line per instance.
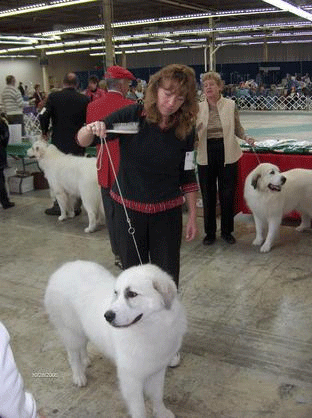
(250, 141)
(86, 134)
(191, 229)
(97, 128)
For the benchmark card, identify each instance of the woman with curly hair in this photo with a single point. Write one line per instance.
(156, 171)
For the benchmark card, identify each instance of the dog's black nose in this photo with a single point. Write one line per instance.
(284, 180)
(109, 316)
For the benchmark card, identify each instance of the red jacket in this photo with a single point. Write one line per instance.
(95, 95)
(98, 110)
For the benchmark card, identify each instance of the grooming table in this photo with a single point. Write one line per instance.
(19, 152)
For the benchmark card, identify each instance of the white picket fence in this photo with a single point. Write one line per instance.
(274, 103)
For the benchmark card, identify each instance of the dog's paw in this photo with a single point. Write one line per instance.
(90, 229)
(302, 228)
(265, 248)
(79, 379)
(62, 218)
(164, 413)
(71, 214)
(257, 241)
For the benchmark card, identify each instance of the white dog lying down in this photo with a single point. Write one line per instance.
(271, 194)
(136, 320)
(70, 177)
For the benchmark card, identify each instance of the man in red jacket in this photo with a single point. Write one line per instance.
(117, 80)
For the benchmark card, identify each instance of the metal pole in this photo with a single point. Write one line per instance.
(212, 57)
(108, 33)
(124, 59)
(45, 77)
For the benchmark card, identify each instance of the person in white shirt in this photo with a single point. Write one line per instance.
(14, 401)
(13, 103)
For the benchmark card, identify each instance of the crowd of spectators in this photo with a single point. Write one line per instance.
(291, 93)
(289, 85)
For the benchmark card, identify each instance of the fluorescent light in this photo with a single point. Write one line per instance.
(284, 5)
(189, 17)
(41, 6)
(19, 56)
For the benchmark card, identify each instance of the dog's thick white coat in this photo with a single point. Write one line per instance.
(70, 177)
(271, 194)
(147, 324)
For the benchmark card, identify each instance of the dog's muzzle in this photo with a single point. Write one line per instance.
(110, 317)
(274, 187)
(277, 187)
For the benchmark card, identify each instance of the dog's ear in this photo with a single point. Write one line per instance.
(254, 180)
(167, 289)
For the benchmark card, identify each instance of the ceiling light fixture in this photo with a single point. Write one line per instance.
(284, 5)
(189, 17)
(41, 6)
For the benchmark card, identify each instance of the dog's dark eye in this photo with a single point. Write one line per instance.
(131, 294)
(115, 292)
(272, 172)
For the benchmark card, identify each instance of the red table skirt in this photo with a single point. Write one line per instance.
(249, 161)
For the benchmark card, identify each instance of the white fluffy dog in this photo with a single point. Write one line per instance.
(136, 320)
(69, 178)
(271, 194)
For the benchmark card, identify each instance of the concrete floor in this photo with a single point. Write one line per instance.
(248, 349)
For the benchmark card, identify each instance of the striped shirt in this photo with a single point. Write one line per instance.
(12, 100)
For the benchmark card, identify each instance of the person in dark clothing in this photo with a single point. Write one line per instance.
(117, 79)
(156, 171)
(4, 140)
(66, 109)
(21, 88)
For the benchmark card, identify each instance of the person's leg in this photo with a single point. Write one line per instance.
(4, 198)
(54, 210)
(165, 235)
(208, 187)
(227, 185)
(108, 205)
(126, 242)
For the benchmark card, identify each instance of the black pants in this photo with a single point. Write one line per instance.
(226, 175)
(109, 210)
(4, 199)
(158, 237)
(17, 119)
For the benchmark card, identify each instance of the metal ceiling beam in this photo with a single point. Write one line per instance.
(183, 5)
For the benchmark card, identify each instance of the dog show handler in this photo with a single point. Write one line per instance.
(156, 172)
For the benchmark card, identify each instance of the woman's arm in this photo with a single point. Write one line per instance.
(191, 226)
(239, 130)
(86, 134)
(127, 114)
(15, 402)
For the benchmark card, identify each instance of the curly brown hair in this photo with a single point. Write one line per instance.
(184, 118)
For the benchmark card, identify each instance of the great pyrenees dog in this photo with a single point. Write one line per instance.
(137, 321)
(271, 194)
(70, 177)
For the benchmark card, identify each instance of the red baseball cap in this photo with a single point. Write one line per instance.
(119, 73)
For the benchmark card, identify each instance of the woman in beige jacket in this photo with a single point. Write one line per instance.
(219, 132)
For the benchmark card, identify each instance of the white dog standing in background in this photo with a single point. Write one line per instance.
(271, 194)
(137, 321)
(70, 177)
